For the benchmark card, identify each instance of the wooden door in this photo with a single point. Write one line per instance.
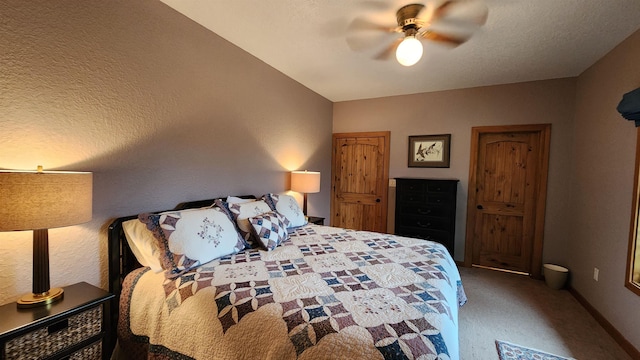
(359, 183)
(507, 197)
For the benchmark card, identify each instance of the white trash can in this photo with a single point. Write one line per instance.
(555, 276)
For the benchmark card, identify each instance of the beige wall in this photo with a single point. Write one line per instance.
(604, 149)
(162, 111)
(159, 108)
(591, 163)
(456, 112)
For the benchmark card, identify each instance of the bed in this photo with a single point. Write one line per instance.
(319, 293)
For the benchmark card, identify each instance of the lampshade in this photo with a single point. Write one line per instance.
(43, 200)
(39, 200)
(409, 51)
(305, 181)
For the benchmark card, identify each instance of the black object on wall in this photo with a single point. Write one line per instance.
(629, 106)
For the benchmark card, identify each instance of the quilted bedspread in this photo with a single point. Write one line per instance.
(326, 293)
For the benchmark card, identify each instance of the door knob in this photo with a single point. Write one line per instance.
(479, 207)
(377, 200)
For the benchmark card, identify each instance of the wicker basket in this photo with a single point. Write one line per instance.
(91, 352)
(41, 343)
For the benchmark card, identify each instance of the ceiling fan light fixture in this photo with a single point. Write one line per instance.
(409, 52)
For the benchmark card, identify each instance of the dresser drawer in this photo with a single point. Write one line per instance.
(91, 352)
(406, 209)
(447, 187)
(425, 222)
(412, 198)
(439, 198)
(59, 336)
(411, 186)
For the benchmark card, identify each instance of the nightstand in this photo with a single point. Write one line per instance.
(72, 328)
(316, 220)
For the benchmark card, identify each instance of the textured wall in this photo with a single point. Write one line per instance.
(159, 108)
(456, 112)
(590, 172)
(603, 187)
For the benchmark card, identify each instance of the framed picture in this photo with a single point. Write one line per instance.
(429, 150)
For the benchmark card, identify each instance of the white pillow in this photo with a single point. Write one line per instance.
(238, 200)
(288, 207)
(142, 243)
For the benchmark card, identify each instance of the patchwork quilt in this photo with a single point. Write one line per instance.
(325, 293)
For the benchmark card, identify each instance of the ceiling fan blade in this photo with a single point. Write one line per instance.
(364, 34)
(445, 39)
(441, 10)
(389, 51)
(361, 24)
(364, 43)
(461, 13)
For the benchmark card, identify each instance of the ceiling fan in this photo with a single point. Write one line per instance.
(450, 22)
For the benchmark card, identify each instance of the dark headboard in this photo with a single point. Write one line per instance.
(122, 261)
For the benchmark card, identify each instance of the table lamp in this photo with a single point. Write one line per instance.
(40, 200)
(305, 182)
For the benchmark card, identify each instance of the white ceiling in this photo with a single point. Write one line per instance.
(522, 40)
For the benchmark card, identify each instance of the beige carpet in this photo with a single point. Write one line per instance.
(526, 312)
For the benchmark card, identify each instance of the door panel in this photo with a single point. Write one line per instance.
(502, 191)
(360, 175)
(507, 183)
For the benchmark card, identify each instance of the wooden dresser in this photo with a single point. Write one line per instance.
(426, 209)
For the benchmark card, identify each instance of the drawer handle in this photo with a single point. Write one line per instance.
(427, 225)
(424, 212)
(60, 325)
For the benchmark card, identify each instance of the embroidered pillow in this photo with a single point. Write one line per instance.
(143, 244)
(288, 207)
(187, 239)
(241, 212)
(270, 229)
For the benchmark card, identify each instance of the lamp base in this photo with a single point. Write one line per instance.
(35, 300)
